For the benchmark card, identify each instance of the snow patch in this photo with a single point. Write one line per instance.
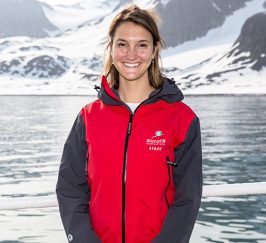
(216, 7)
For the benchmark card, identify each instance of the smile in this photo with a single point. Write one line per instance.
(131, 65)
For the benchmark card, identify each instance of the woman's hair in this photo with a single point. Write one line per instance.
(146, 19)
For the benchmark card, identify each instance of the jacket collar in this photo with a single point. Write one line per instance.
(168, 92)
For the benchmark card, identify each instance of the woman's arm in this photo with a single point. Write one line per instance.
(187, 176)
(73, 192)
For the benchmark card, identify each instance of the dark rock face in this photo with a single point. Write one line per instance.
(23, 18)
(7, 67)
(184, 20)
(40, 67)
(252, 40)
(248, 51)
(46, 66)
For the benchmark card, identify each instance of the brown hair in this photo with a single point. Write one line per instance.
(147, 19)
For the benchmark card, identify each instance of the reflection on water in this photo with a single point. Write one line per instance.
(33, 130)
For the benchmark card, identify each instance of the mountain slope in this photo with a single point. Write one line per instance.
(239, 68)
(186, 20)
(24, 18)
(71, 62)
(251, 41)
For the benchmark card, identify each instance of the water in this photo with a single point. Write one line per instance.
(33, 131)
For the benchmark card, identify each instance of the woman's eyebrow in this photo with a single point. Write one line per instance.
(121, 40)
(143, 40)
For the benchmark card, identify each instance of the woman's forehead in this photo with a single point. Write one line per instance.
(131, 31)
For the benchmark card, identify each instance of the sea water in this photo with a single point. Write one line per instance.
(32, 134)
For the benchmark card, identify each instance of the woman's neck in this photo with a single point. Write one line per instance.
(134, 91)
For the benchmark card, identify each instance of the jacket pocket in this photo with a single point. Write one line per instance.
(169, 164)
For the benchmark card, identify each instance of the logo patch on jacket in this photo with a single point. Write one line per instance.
(156, 142)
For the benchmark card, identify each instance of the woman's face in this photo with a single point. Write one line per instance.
(132, 52)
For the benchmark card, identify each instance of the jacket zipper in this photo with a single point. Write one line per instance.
(166, 199)
(124, 178)
(125, 164)
(124, 167)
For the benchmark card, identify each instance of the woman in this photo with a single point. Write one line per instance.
(131, 166)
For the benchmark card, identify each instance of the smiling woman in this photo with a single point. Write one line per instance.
(132, 53)
(131, 170)
(136, 31)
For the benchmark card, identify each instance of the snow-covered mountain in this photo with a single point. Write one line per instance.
(24, 18)
(213, 46)
(252, 43)
(193, 19)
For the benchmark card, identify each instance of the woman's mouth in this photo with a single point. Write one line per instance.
(131, 65)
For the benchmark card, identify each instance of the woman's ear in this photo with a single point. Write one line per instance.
(110, 47)
(155, 50)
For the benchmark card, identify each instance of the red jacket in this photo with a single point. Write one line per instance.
(132, 178)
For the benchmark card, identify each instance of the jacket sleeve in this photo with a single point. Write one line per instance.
(73, 192)
(187, 176)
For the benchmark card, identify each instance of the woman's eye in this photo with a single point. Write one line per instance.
(142, 45)
(121, 44)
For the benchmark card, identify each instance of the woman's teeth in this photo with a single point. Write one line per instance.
(131, 64)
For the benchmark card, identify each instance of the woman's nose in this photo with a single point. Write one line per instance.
(131, 53)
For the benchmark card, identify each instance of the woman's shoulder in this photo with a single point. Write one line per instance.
(183, 109)
(92, 106)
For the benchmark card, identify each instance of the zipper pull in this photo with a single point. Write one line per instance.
(129, 128)
(129, 125)
(169, 162)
